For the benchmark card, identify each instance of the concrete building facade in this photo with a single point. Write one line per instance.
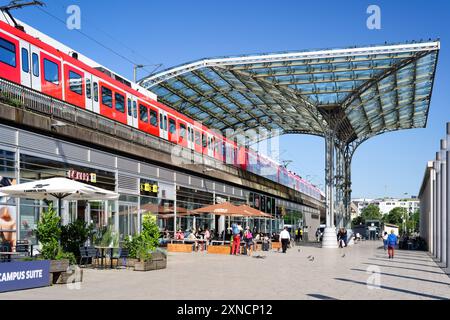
(434, 208)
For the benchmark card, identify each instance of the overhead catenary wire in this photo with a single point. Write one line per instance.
(98, 42)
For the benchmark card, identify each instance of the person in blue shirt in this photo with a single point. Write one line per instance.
(391, 242)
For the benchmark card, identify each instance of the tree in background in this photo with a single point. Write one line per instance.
(371, 212)
(358, 221)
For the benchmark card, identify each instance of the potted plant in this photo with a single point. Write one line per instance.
(144, 246)
(48, 233)
(74, 235)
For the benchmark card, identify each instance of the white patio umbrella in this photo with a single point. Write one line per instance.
(58, 188)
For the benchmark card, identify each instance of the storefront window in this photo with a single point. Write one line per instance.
(128, 216)
(30, 212)
(8, 207)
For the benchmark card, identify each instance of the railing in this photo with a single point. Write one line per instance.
(29, 99)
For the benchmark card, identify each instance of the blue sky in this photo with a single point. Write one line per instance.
(175, 32)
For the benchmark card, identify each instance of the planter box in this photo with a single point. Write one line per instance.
(276, 245)
(131, 262)
(219, 249)
(178, 247)
(73, 276)
(157, 261)
(59, 265)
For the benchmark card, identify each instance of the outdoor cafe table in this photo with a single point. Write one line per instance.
(103, 256)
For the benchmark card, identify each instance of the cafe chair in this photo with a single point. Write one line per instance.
(123, 255)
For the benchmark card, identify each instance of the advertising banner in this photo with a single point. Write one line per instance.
(24, 275)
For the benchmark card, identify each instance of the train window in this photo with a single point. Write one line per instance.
(51, 72)
(134, 110)
(182, 131)
(25, 61)
(165, 122)
(197, 138)
(75, 83)
(7, 52)
(35, 60)
(107, 97)
(172, 126)
(143, 113)
(88, 89)
(204, 143)
(95, 92)
(161, 126)
(129, 107)
(120, 102)
(153, 118)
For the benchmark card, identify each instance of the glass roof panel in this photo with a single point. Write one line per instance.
(372, 81)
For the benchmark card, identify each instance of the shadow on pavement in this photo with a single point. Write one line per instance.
(406, 277)
(405, 268)
(396, 289)
(395, 261)
(398, 257)
(321, 296)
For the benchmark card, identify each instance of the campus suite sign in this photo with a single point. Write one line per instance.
(24, 275)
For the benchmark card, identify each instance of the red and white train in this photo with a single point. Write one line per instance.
(36, 64)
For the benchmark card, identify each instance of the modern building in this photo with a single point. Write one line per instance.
(387, 204)
(435, 206)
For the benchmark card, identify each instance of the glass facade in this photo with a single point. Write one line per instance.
(19, 217)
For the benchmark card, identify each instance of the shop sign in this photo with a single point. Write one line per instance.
(82, 176)
(149, 187)
(24, 275)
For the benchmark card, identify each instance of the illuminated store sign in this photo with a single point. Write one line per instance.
(82, 176)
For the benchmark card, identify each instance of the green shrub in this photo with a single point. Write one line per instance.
(66, 255)
(48, 233)
(142, 245)
(75, 235)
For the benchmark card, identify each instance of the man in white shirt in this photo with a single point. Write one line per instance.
(285, 238)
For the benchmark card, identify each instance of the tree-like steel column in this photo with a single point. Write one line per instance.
(339, 204)
(329, 236)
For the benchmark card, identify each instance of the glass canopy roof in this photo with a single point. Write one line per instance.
(357, 92)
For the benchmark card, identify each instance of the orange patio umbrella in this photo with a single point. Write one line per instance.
(223, 209)
(254, 212)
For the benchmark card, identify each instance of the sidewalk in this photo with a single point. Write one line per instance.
(305, 272)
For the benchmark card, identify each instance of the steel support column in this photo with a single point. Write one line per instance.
(339, 203)
(329, 236)
(348, 190)
(443, 204)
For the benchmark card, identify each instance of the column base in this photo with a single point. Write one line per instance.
(329, 239)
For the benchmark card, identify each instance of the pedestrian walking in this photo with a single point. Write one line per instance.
(300, 232)
(285, 238)
(391, 242)
(248, 239)
(385, 237)
(235, 248)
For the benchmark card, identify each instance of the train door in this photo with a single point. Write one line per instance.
(88, 96)
(95, 95)
(210, 145)
(132, 111)
(163, 132)
(25, 59)
(35, 68)
(190, 137)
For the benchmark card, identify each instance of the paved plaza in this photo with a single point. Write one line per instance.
(305, 272)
